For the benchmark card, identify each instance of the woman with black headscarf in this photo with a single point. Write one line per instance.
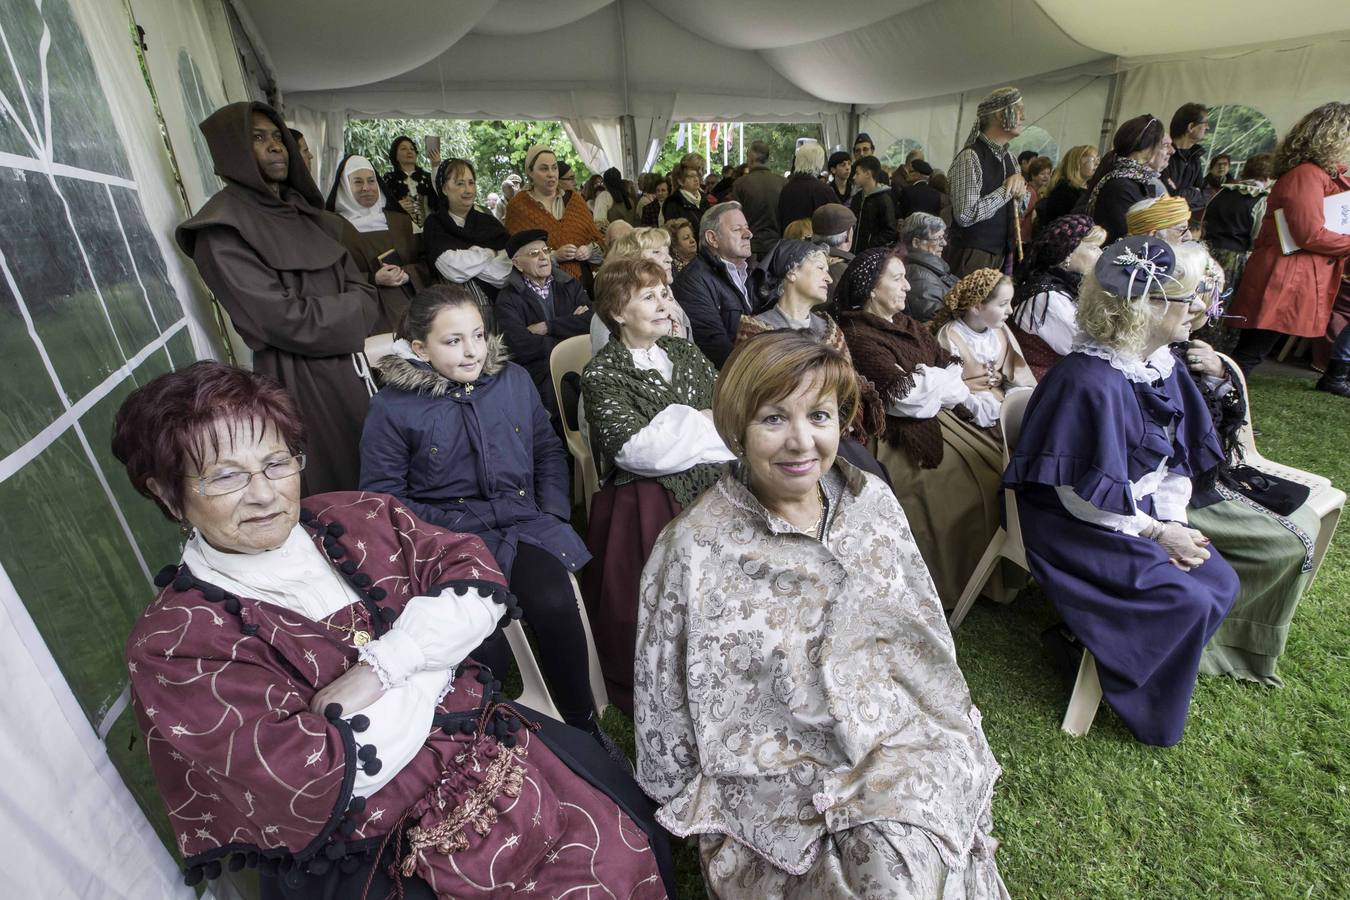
(789, 288)
(464, 244)
(274, 259)
(1046, 296)
(408, 184)
(379, 237)
(944, 470)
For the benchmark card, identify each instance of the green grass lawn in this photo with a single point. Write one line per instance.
(1255, 800)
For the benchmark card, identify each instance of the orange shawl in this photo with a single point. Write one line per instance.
(575, 227)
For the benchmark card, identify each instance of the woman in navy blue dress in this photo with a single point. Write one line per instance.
(1103, 470)
(459, 435)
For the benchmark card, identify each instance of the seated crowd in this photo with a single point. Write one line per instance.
(795, 401)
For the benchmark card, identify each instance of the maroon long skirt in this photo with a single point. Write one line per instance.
(624, 524)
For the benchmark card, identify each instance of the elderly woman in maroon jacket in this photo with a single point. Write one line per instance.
(304, 686)
(274, 259)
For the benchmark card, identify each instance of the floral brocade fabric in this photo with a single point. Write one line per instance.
(789, 690)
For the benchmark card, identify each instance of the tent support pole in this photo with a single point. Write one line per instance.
(854, 125)
(1110, 114)
(628, 140)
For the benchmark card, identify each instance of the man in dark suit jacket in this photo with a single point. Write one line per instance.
(537, 308)
(918, 195)
(712, 288)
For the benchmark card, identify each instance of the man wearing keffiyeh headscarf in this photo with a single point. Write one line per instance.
(987, 190)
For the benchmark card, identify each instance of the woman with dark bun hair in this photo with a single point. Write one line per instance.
(1129, 173)
(304, 684)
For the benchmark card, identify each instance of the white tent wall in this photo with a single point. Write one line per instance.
(1069, 105)
(1284, 80)
(96, 301)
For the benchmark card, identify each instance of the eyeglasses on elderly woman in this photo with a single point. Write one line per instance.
(233, 481)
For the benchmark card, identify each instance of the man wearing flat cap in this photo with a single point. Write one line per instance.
(987, 189)
(539, 306)
(918, 195)
(832, 227)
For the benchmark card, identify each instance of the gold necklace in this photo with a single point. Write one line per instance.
(817, 528)
(359, 637)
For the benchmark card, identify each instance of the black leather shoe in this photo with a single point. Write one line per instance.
(1336, 380)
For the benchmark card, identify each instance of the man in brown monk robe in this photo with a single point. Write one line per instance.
(271, 255)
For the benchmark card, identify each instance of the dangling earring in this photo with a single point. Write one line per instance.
(185, 529)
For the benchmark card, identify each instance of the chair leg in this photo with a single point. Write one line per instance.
(535, 695)
(1324, 536)
(978, 578)
(1086, 697)
(598, 691)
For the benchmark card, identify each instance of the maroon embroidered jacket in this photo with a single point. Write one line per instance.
(221, 687)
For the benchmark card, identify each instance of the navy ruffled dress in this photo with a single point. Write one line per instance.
(1090, 428)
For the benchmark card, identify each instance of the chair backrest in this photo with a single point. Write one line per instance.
(570, 355)
(1010, 419)
(378, 346)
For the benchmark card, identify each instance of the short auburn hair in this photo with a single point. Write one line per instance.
(773, 365)
(166, 428)
(618, 281)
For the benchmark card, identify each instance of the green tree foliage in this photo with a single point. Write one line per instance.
(496, 148)
(1240, 131)
(780, 136)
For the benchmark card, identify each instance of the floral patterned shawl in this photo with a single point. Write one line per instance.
(787, 689)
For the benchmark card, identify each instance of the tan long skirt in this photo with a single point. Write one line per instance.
(953, 510)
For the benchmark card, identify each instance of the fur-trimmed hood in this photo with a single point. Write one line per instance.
(415, 376)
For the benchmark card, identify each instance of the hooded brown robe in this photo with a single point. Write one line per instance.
(274, 260)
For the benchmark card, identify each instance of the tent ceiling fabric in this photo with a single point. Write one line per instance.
(746, 26)
(755, 59)
(935, 49)
(532, 16)
(347, 43)
(1192, 26)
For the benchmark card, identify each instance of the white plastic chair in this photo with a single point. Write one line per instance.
(378, 346)
(1326, 499)
(1007, 544)
(536, 694)
(571, 355)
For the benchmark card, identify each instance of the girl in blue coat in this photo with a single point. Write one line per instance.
(460, 436)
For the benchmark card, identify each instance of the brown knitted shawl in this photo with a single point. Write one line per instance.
(886, 354)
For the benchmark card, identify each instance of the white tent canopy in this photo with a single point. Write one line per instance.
(905, 68)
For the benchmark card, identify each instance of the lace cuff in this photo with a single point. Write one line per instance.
(394, 657)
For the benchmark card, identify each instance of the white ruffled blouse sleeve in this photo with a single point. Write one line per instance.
(677, 438)
(934, 390)
(460, 266)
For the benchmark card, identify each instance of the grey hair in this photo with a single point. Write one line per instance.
(712, 219)
(831, 240)
(810, 158)
(920, 226)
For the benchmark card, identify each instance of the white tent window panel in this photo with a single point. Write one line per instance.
(92, 308)
(1036, 139)
(895, 154)
(1239, 130)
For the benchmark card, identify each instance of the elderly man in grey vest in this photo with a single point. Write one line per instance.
(987, 190)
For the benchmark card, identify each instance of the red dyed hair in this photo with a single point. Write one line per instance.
(167, 425)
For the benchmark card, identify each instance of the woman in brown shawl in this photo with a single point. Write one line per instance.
(945, 471)
(272, 256)
(380, 237)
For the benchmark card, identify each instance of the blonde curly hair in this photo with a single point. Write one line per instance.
(1322, 137)
(1125, 325)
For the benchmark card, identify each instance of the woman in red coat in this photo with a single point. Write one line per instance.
(1292, 294)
